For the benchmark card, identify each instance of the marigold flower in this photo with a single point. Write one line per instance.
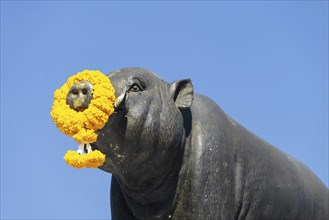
(85, 136)
(74, 159)
(82, 125)
(93, 159)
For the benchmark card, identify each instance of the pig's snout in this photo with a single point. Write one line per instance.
(80, 95)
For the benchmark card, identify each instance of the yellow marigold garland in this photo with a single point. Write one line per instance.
(82, 125)
(93, 159)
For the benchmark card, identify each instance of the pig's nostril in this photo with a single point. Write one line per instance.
(75, 91)
(84, 91)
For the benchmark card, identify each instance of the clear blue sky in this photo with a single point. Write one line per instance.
(264, 63)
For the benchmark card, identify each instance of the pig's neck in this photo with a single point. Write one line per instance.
(152, 195)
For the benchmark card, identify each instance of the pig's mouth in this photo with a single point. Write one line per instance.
(113, 133)
(111, 138)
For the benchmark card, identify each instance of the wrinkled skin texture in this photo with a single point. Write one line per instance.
(176, 155)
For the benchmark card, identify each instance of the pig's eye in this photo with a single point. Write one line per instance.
(135, 88)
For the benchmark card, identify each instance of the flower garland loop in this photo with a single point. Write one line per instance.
(82, 125)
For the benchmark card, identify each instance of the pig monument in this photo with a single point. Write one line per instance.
(174, 154)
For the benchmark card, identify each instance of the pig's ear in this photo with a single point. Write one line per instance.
(182, 93)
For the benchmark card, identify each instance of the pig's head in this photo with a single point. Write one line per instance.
(143, 138)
